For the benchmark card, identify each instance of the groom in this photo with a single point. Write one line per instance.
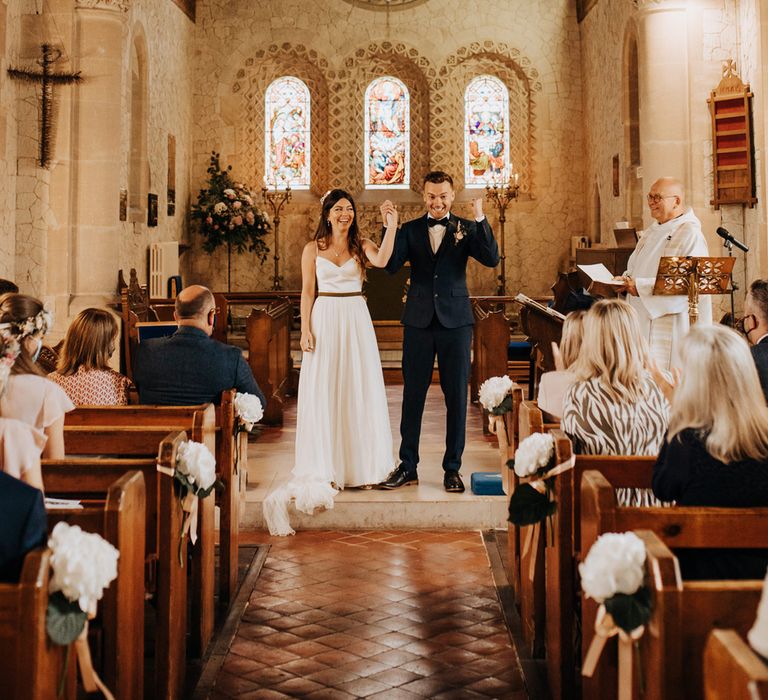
(438, 320)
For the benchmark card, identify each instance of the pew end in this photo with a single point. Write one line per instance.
(732, 670)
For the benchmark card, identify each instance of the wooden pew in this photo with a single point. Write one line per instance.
(30, 665)
(528, 566)
(226, 301)
(268, 334)
(138, 439)
(673, 646)
(561, 585)
(180, 417)
(490, 339)
(120, 518)
(732, 671)
(92, 477)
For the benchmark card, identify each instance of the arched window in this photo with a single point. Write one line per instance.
(387, 134)
(486, 132)
(287, 140)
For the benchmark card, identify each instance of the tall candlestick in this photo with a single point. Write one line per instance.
(500, 197)
(276, 201)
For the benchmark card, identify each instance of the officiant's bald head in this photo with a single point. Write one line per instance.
(666, 199)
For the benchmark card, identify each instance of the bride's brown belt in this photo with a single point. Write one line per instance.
(339, 294)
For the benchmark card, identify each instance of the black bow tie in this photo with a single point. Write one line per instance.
(437, 222)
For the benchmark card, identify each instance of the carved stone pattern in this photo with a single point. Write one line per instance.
(348, 116)
(116, 5)
(522, 81)
(252, 82)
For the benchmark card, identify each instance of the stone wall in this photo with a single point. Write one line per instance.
(336, 48)
(713, 31)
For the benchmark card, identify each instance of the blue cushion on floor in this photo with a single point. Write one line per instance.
(487, 484)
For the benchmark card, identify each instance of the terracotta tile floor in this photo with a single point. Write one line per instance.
(373, 615)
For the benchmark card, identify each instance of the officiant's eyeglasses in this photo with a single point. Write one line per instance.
(656, 198)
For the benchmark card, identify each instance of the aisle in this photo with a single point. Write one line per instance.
(426, 505)
(381, 614)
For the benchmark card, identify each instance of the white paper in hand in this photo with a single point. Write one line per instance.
(600, 273)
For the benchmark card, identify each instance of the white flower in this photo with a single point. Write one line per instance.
(230, 193)
(533, 453)
(196, 462)
(615, 564)
(758, 635)
(220, 207)
(248, 200)
(83, 565)
(493, 391)
(248, 409)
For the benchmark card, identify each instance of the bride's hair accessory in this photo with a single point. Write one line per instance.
(40, 323)
(324, 197)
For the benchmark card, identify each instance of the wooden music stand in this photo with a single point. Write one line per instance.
(693, 276)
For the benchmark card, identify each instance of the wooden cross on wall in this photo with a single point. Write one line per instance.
(47, 79)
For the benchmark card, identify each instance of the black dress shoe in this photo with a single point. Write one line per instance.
(399, 476)
(453, 483)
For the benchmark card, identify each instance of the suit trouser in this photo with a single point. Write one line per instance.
(452, 347)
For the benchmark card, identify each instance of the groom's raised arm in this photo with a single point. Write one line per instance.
(482, 245)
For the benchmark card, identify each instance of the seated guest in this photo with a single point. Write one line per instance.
(83, 369)
(20, 444)
(190, 367)
(614, 407)
(716, 450)
(755, 327)
(8, 286)
(29, 396)
(553, 385)
(22, 524)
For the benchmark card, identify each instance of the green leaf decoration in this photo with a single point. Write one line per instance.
(504, 407)
(527, 506)
(630, 611)
(64, 620)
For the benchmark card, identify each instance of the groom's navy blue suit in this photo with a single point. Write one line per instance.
(438, 321)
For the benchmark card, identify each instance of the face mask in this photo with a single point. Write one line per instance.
(39, 348)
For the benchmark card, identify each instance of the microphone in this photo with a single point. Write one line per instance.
(730, 239)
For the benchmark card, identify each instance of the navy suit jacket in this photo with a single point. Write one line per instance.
(760, 355)
(23, 525)
(439, 281)
(189, 368)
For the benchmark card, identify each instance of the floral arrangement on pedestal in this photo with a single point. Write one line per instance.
(228, 214)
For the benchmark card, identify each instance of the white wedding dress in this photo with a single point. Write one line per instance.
(343, 437)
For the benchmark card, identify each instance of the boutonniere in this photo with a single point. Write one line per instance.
(459, 234)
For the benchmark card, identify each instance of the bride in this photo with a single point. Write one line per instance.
(343, 438)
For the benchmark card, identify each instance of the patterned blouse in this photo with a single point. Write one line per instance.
(598, 425)
(94, 387)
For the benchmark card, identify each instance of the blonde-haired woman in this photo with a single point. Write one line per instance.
(29, 396)
(716, 450)
(614, 406)
(554, 385)
(83, 369)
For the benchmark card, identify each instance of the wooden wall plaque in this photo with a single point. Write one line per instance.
(733, 156)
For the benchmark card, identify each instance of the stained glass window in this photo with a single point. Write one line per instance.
(486, 132)
(286, 152)
(387, 134)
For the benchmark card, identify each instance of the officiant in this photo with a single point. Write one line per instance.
(675, 232)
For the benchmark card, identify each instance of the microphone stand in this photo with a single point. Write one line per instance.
(734, 286)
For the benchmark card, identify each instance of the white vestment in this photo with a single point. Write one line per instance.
(664, 319)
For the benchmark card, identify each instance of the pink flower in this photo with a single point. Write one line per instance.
(216, 227)
(249, 217)
(237, 204)
(209, 220)
(237, 220)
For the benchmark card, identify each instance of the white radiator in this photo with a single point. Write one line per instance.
(163, 264)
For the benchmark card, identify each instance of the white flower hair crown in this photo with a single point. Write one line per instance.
(9, 351)
(40, 323)
(324, 197)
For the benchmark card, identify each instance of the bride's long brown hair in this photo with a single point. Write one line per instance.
(324, 231)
